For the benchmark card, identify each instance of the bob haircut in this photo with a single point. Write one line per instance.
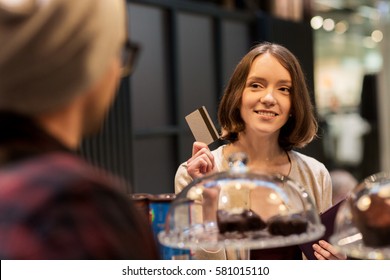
(300, 128)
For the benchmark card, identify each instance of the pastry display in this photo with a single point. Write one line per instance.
(287, 224)
(246, 220)
(371, 214)
(240, 209)
(362, 224)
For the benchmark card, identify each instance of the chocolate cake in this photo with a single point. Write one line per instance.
(247, 220)
(371, 214)
(287, 224)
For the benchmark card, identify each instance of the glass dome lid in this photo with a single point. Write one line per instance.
(362, 225)
(241, 209)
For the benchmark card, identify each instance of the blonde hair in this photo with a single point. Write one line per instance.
(53, 50)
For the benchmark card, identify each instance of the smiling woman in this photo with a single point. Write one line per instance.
(266, 102)
(301, 127)
(265, 112)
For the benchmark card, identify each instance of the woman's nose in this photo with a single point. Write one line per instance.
(268, 98)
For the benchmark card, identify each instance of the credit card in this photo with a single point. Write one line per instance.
(202, 126)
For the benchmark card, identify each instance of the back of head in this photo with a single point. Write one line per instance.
(53, 50)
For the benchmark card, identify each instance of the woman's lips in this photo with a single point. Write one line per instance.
(266, 113)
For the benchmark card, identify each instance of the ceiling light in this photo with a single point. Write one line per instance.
(341, 27)
(377, 36)
(316, 22)
(328, 24)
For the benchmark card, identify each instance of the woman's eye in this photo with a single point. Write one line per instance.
(285, 89)
(255, 85)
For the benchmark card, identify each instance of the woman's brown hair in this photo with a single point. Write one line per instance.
(300, 128)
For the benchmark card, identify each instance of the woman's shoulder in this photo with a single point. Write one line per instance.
(314, 176)
(305, 164)
(219, 158)
(302, 159)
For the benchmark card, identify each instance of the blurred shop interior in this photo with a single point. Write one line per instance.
(190, 48)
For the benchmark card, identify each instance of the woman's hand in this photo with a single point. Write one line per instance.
(201, 162)
(325, 251)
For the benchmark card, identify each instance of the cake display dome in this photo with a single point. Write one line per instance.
(241, 209)
(362, 225)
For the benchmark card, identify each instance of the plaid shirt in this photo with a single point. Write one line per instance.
(54, 205)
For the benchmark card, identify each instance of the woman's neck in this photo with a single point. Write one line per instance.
(264, 153)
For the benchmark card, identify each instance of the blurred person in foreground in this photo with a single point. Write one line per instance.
(60, 65)
(266, 112)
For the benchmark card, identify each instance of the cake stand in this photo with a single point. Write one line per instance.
(351, 243)
(368, 205)
(192, 221)
(207, 237)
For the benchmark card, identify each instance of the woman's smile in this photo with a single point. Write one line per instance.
(266, 114)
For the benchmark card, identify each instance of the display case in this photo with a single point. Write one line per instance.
(362, 226)
(241, 209)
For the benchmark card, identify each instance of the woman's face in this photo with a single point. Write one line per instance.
(266, 99)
